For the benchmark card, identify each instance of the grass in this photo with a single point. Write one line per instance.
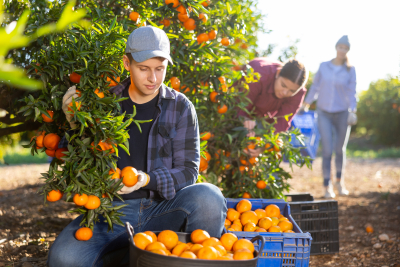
(20, 155)
(365, 147)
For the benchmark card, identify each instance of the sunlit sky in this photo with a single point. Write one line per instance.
(373, 28)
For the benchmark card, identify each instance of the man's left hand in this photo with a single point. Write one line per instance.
(254, 152)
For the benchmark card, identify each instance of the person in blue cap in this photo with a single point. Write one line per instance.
(334, 89)
(166, 155)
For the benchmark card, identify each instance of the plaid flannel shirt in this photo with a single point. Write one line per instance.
(174, 142)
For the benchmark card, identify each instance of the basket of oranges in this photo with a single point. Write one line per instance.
(284, 240)
(170, 249)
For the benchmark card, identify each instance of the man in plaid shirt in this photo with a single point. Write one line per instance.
(167, 151)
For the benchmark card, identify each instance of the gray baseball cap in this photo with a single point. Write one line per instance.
(148, 42)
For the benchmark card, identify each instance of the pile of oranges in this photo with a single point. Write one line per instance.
(50, 142)
(270, 219)
(203, 247)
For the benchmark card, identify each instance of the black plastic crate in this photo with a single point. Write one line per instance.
(299, 197)
(320, 219)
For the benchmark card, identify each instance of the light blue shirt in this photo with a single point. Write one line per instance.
(334, 88)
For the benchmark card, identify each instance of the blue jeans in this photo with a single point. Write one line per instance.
(199, 206)
(333, 126)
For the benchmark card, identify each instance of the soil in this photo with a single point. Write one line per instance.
(28, 227)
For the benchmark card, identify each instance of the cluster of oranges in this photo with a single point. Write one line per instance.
(269, 219)
(50, 142)
(204, 247)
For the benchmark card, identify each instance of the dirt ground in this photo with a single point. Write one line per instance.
(28, 227)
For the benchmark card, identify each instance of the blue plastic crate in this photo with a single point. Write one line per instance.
(307, 123)
(280, 249)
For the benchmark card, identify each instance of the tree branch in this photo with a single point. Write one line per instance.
(28, 126)
(7, 119)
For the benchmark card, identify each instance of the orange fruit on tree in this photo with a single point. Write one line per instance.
(156, 245)
(232, 215)
(248, 216)
(261, 184)
(243, 254)
(227, 166)
(253, 160)
(275, 229)
(245, 194)
(202, 37)
(235, 227)
(50, 153)
(212, 34)
(129, 176)
(77, 105)
(205, 136)
(179, 249)
(228, 240)
(183, 17)
(181, 9)
(190, 24)
(207, 253)
(134, 16)
(188, 255)
(243, 243)
(206, 3)
(225, 41)
(159, 251)
(268, 147)
(251, 145)
(243, 205)
(39, 141)
(260, 230)
(261, 213)
(203, 17)
(80, 199)
(224, 88)
(47, 119)
(113, 82)
(279, 144)
(272, 210)
(152, 235)
(141, 240)
(174, 3)
(221, 249)
(285, 225)
(244, 46)
(75, 77)
(93, 202)
(115, 174)
(249, 227)
(369, 229)
(79, 93)
(198, 236)
(83, 234)
(51, 141)
(59, 153)
(99, 94)
(54, 195)
(166, 22)
(222, 109)
(208, 156)
(168, 238)
(175, 83)
(213, 97)
(212, 241)
(275, 221)
(265, 223)
(222, 79)
(203, 164)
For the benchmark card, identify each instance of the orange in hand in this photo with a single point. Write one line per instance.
(129, 176)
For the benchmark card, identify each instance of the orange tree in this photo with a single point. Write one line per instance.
(210, 42)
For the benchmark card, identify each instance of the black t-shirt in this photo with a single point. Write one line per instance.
(138, 141)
